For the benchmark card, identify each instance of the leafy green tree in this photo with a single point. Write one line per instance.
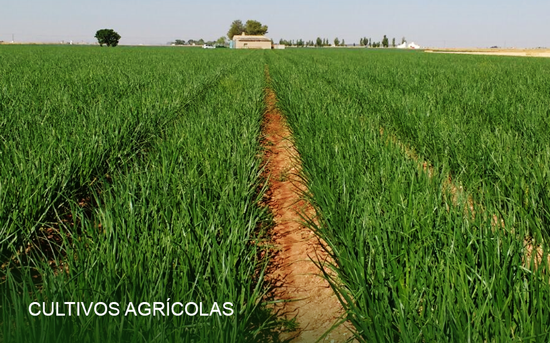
(336, 41)
(236, 28)
(361, 42)
(221, 41)
(343, 42)
(300, 43)
(255, 28)
(179, 42)
(319, 42)
(385, 42)
(393, 42)
(200, 42)
(285, 42)
(108, 37)
(403, 40)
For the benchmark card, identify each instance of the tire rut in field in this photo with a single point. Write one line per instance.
(298, 287)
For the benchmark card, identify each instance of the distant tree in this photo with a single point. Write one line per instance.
(370, 42)
(254, 28)
(285, 42)
(319, 42)
(385, 42)
(191, 42)
(336, 41)
(300, 43)
(237, 27)
(361, 42)
(179, 42)
(343, 42)
(403, 40)
(108, 37)
(393, 42)
(200, 42)
(221, 41)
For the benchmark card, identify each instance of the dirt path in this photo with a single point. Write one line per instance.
(296, 278)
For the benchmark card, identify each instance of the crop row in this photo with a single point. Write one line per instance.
(173, 216)
(485, 120)
(411, 265)
(70, 119)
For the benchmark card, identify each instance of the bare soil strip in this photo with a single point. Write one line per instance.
(299, 288)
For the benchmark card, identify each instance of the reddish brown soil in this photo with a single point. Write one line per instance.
(298, 286)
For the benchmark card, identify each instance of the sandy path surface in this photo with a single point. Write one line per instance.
(307, 296)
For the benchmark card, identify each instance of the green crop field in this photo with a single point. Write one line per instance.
(134, 175)
(412, 266)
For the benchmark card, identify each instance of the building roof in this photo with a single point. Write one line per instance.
(246, 38)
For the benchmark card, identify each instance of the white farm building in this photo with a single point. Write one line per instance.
(251, 42)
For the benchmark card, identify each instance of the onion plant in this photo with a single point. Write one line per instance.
(145, 162)
(411, 265)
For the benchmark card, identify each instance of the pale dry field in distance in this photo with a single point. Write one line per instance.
(498, 52)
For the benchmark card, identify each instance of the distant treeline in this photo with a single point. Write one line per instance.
(221, 41)
(320, 42)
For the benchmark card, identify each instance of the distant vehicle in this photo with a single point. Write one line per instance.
(205, 46)
(494, 47)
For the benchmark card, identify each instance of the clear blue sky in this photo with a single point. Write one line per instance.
(466, 23)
